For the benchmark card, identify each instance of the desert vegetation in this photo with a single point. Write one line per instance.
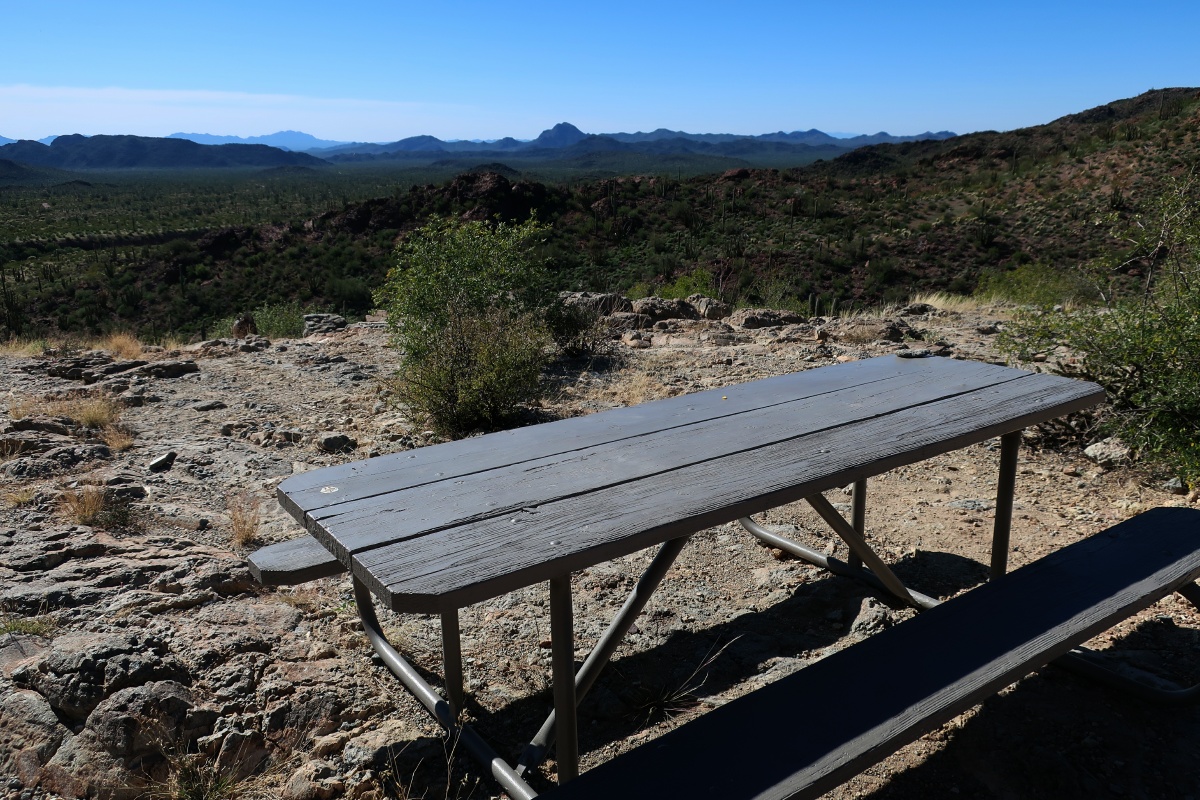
(155, 254)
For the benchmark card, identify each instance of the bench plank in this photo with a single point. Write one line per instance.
(291, 562)
(820, 726)
(467, 563)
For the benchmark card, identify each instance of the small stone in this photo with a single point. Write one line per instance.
(163, 462)
(1108, 452)
(335, 442)
(1175, 486)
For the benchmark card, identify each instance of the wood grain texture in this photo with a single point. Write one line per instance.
(302, 493)
(295, 561)
(816, 728)
(453, 566)
(403, 514)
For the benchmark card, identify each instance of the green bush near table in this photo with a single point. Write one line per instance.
(471, 309)
(1140, 345)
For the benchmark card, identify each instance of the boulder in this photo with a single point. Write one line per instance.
(323, 323)
(863, 330)
(628, 321)
(659, 308)
(81, 670)
(30, 734)
(143, 719)
(708, 308)
(335, 442)
(603, 303)
(764, 318)
(1109, 452)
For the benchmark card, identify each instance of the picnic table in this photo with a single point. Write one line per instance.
(435, 529)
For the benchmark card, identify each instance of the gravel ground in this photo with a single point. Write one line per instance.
(280, 684)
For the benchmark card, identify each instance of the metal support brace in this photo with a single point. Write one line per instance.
(535, 751)
(858, 545)
(562, 640)
(452, 660)
(1089, 663)
(1010, 444)
(433, 702)
(858, 517)
(832, 564)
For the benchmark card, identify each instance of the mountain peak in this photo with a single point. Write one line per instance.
(564, 134)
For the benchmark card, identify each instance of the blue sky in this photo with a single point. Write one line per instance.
(380, 71)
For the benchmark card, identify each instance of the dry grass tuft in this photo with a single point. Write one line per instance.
(630, 388)
(20, 407)
(93, 412)
(944, 301)
(123, 345)
(85, 505)
(244, 515)
(23, 348)
(118, 437)
(40, 625)
(20, 496)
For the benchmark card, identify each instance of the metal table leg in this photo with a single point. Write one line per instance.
(436, 705)
(562, 639)
(859, 516)
(452, 660)
(832, 564)
(535, 751)
(859, 547)
(1010, 444)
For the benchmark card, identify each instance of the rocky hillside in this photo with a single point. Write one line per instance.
(137, 656)
(871, 226)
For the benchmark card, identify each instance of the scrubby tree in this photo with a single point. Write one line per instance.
(467, 307)
(1140, 344)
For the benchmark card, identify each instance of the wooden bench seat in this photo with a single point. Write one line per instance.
(295, 561)
(815, 729)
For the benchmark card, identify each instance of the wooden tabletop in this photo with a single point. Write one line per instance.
(441, 527)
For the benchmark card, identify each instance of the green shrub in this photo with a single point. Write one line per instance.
(449, 267)
(698, 281)
(476, 373)
(573, 328)
(1035, 284)
(273, 320)
(280, 320)
(470, 308)
(1141, 346)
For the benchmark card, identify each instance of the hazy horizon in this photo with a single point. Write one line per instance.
(389, 71)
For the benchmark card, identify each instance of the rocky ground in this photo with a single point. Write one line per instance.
(138, 657)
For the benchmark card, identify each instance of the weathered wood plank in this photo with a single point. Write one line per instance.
(291, 562)
(400, 515)
(468, 563)
(302, 493)
(820, 726)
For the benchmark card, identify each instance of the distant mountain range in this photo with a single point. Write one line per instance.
(284, 140)
(144, 152)
(564, 135)
(563, 142)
